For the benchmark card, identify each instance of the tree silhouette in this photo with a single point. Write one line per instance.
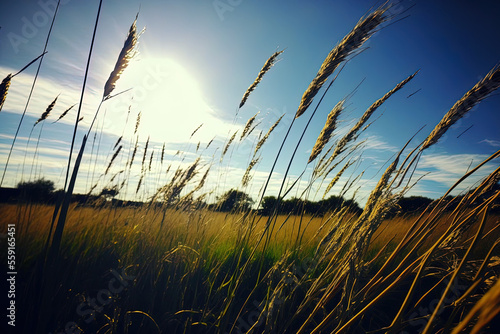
(234, 200)
(109, 192)
(413, 203)
(268, 203)
(40, 190)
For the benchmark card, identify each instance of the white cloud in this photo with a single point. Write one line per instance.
(374, 142)
(446, 170)
(493, 143)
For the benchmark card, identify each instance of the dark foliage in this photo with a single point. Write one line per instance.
(298, 206)
(40, 190)
(234, 200)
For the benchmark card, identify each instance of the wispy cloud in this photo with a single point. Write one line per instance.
(493, 143)
(446, 169)
(374, 142)
(45, 91)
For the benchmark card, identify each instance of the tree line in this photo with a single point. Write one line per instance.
(43, 191)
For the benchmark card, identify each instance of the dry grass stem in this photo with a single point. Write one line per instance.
(354, 131)
(487, 308)
(267, 66)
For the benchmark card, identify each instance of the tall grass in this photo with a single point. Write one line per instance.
(185, 267)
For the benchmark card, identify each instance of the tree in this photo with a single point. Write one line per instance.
(40, 190)
(268, 204)
(413, 203)
(234, 200)
(110, 192)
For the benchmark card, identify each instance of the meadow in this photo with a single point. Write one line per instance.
(175, 264)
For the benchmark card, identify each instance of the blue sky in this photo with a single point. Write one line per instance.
(196, 61)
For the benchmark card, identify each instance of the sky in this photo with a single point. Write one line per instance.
(197, 58)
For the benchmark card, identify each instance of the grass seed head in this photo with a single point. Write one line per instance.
(64, 113)
(196, 130)
(113, 159)
(480, 91)
(137, 122)
(151, 160)
(246, 130)
(267, 66)
(4, 88)
(229, 144)
(47, 111)
(127, 53)
(349, 44)
(134, 152)
(263, 139)
(326, 132)
(246, 177)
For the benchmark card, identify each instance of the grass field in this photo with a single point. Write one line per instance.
(181, 273)
(175, 264)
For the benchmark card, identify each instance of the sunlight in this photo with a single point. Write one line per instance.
(171, 102)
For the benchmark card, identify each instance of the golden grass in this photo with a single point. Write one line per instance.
(201, 225)
(354, 132)
(326, 132)
(4, 86)
(126, 54)
(266, 136)
(226, 147)
(47, 111)
(349, 44)
(4, 89)
(267, 66)
(248, 125)
(392, 231)
(476, 94)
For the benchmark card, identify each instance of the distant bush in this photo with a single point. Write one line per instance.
(298, 206)
(234, 200)
(40, 190)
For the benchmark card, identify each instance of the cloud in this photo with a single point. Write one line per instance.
(43, 94)
(168, 97)
(374, 142)
(446, 170)
(493, 143)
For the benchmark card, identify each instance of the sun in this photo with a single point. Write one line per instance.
(170, 100)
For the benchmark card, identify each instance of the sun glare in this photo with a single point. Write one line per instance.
(171, 102)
